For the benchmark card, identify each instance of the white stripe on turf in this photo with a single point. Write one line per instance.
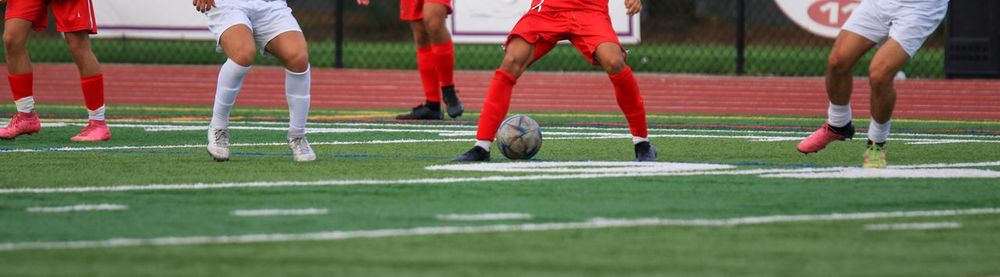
(77, 208)
(279, 212)
(483, 217)
(913, 226)
(597, 223)
(424, 181)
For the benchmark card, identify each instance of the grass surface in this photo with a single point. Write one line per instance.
(648, 57)
(163, 145)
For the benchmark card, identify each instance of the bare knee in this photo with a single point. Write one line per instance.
(880, 76)
(14, 42)
(614, 65)
(838, 65)
(513, 65)
(297, 61)
(242, 56)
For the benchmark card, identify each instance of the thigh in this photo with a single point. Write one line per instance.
(594, 30)
(849, 47)
(446, 4)
(288, 47)
(35, 12)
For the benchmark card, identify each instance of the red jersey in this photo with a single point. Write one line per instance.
(570, 5)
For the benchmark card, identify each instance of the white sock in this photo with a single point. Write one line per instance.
(25, 105)
(97, 114)
(484, 144)
(879, 133)
(297, 87)
(839, 115)
(228, 87)
(637, 140)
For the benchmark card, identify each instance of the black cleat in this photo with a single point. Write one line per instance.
(847, 131)
(645, 152)
(422, 112)
(476, 154)
(450, 96)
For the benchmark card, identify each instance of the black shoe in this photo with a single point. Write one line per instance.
(476, 154)
(422, 112)
(451, 100)
(847, 131)
(645, 152)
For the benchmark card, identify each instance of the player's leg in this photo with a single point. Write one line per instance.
(888, 61)
(237, 43)
(611, 57)
(20, 18)
(847, 50)
(291, 49)
(435, 12)
(520, 54)
(92, 84)
(426, 67)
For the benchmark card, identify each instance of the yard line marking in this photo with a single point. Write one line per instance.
(76, 149)
(279, 212)
(596, 223)
(423, 181)
(861, 173)
(77, 208)
(582, 167)
(913, 226)
(484, 217)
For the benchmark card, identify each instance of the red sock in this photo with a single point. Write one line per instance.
(444, 59)
(21, 85)
(630, 101)
(93, 91)
(496, 106)
(428, 74)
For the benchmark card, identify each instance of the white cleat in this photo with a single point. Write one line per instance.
(301, 150)
(218, 143)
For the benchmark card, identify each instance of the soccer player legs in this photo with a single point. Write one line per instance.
(900, 40)
(282, 38)
(75, 20)
(596, 41)
(435, 58)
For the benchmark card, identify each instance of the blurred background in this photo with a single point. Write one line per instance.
(678, 36)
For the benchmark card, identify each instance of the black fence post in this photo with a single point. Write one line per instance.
(741, 39)
(338, 35)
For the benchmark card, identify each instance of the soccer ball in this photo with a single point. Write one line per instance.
(519, 137)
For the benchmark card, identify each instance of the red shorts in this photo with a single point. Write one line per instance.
(71, 15)
(584, 29)
(413, 10)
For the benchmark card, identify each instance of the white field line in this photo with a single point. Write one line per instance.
(483, 217)
(279, 212)
(913, 226)
(77, 208)
(417, 128)
(596, 223)
(108, 148)
(424, 181)
(472, 127)
(891, 173)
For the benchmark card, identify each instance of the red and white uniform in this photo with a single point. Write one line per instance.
(585, 23)
(413, 10)
(71, 15)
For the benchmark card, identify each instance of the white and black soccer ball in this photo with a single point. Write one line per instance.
(519, 137)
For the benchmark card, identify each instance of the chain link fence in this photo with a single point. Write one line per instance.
(679, 36)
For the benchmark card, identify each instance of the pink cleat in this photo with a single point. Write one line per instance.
(97, 130)
(825, 135)
(22, 123)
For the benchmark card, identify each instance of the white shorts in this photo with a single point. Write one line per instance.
(267, 19)
(908, 22)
